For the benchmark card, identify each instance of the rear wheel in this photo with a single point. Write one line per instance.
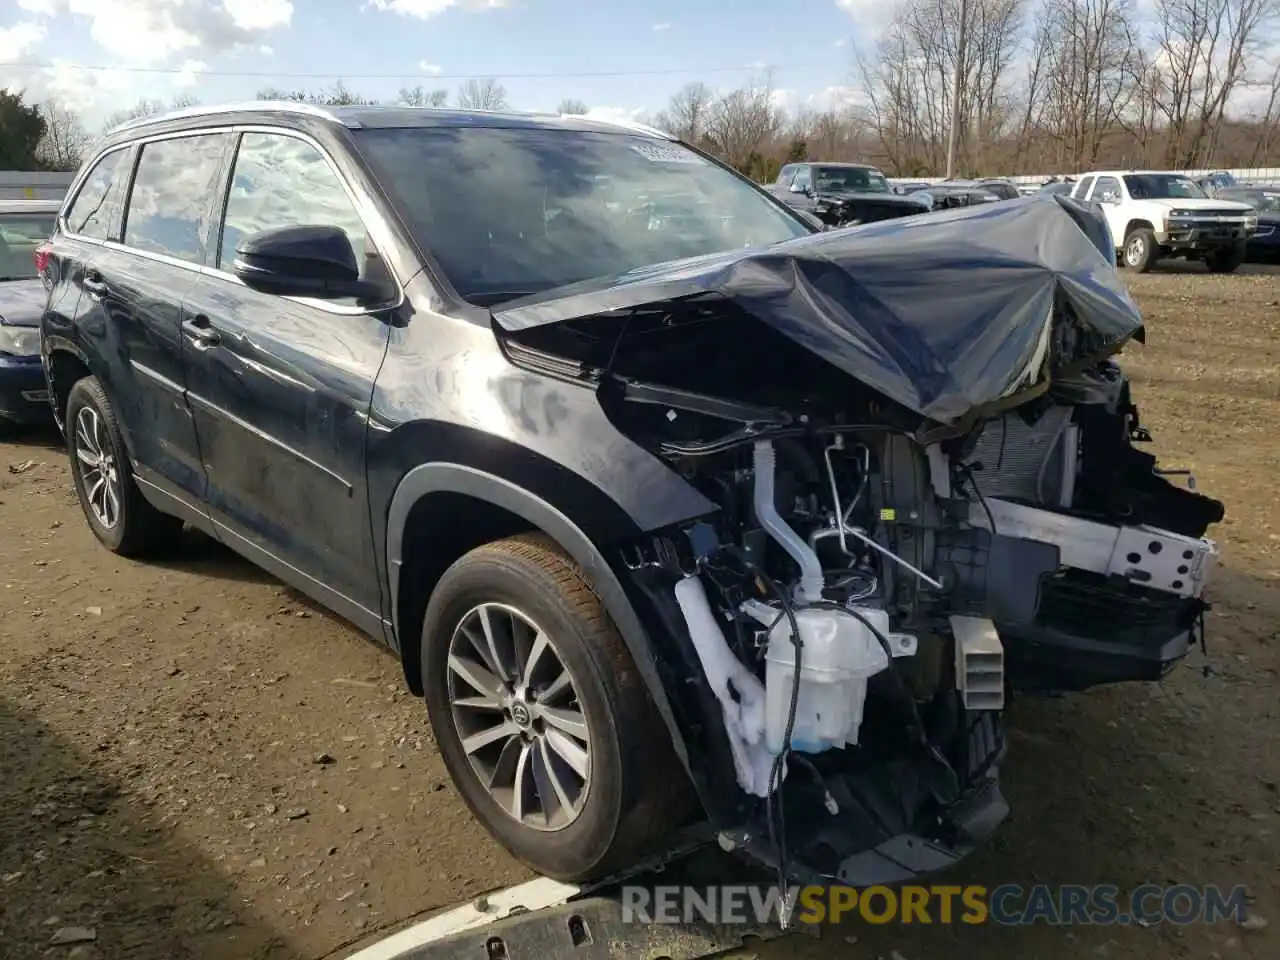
(543, 722)
(118, 514)
(1225, 261)
(1141, 250)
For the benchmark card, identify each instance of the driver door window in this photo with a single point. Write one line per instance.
(282, 181)
(804, 178)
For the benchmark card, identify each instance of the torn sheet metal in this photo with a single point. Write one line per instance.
(942, 312)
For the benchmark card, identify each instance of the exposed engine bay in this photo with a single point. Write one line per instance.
(894, 553)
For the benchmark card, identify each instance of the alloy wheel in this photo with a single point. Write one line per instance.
(99, 472)
(518, 716)
(1134, 250)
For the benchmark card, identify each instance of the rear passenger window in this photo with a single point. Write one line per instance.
(281, 181)
(94, 208)
(169, 205)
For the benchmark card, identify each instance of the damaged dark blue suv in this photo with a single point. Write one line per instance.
(676, 511)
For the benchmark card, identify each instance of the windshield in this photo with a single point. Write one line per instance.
(20, 234)
(511, 212)
(1162, 186)
(849, 180)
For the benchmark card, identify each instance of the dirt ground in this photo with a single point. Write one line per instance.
(197, 763)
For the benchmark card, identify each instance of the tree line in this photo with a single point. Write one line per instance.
(1035, 86)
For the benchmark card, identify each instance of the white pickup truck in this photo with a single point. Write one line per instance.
(1154, 215)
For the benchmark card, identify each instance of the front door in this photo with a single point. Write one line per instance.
(280, 387)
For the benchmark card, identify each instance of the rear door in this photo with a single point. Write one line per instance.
(280, 387)
(75, 314)
(163, 246)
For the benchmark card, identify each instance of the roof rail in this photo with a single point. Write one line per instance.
(287, 106)
(626, 125)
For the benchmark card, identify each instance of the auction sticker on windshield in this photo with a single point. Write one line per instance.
(665, 152)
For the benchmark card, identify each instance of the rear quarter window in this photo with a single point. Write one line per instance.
(94, 209)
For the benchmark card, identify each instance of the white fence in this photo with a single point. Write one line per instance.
(24, 185)
(1244, 174)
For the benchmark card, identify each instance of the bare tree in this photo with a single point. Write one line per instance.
(418, 97)
(688, 113)
(571, 106)
(482, 95)
(1087, 51)
(743, 123)
(146, 107)
(337, 95)
(1203, 48)
(65, 138)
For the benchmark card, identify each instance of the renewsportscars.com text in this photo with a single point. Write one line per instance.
(1007, 904)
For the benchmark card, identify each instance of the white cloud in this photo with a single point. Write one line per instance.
(148, 32)
(840, 97)
(782, 98)
(432, 68)
(20, 39)
(259, 14)
(426, 9)
(41, 8)
(189, 73)
(659, 27)
(614, 114)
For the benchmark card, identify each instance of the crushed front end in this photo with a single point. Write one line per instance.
(924, 503)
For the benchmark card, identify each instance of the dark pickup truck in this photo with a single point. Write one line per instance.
(843, 194)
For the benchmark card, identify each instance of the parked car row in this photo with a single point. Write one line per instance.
(24, 226)
(663, 494)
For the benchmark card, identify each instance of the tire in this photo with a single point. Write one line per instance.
(1140, 250)
(1225, 261)
(134, 528)
(635, 792)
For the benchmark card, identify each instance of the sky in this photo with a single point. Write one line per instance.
(100, 55)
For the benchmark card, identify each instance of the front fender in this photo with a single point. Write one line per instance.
(435, 478)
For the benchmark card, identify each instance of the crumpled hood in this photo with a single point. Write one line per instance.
(942, 312)
(22, 302)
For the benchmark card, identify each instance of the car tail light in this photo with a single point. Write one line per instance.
(42, 258)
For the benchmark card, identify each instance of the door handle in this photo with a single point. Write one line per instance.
(201, 332)
(94, 284)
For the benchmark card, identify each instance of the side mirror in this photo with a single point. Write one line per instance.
(798, 188)
(1110, 197)
(303, 261)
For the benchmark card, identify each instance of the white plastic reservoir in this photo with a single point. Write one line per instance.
(839, 655)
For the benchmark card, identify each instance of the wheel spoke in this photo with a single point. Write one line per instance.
(491, 641)
(556, 687)
(571, 722)
(571, 752)
(88, 457)
(477, 677)
(521, 783)
(99, 482)
(548, 780)
(540, 646)
(478, 741)
(110, 503)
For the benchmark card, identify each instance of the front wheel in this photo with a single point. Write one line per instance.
(118, 515)
(544, 723)
(1141, 250)
(1225, 261)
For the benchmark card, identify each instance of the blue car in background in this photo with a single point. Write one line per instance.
(1264, 246)
(25, 225)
